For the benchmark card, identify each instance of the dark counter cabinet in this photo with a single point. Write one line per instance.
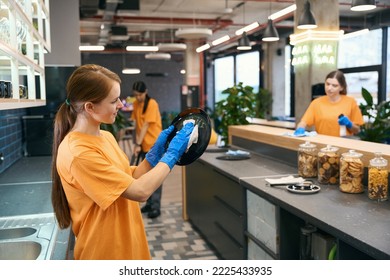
(216, 207)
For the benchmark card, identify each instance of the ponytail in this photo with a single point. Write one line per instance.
(63, 123)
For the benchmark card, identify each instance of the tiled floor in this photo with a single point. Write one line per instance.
(172, 238)
(169, 236)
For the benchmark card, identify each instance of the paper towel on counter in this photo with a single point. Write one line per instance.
(289, 180)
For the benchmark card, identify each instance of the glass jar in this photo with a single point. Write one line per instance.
(378, 178)
(307, 160)
(328, 165)
(351, 172)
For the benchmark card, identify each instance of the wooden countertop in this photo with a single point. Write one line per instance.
(281, 124)
(277, 137)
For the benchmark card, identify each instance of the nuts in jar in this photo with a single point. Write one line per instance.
(307, 160)
(328, 165)
(351, 172)
(378, 178)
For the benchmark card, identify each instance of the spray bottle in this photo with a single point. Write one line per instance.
(343, 128)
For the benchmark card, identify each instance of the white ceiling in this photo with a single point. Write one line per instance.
(157, 20)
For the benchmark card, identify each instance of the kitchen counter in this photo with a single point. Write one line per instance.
(356, 221)
(278, 137)
(25, 189)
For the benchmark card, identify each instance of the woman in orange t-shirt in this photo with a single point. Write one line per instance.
(328, 113)
(95, 190)
(148, 126)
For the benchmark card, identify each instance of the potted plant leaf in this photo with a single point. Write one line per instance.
(377, 126)
(240, 103)
(264, 104)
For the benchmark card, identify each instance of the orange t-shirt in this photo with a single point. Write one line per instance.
(153, 117)
(94, 172)
(324, 114)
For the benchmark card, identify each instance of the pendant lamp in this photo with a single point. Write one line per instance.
(244, 44)
(362, 5)
(307, 20)
(270, 33)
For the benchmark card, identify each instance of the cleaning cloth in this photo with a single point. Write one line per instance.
(194, 134)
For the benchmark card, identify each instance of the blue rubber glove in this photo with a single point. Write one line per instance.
(345, 121)
(158, 149)
(299, 131)
(178, 145)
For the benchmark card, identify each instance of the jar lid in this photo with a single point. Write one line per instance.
(307, 145)
(352, 154)
(378, 160)
(329, 148)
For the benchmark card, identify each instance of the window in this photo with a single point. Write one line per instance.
(368, 80)
(223, 76)
(362, 50)
(248, 70)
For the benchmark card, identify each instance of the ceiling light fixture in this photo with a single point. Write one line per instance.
(307, 20)
(247, 28)
(283, 12)
(171, 47)
(227, 9)
(244, 44)
(193, 33)
(270, 32)
(362, 5)
(220, 40)
(91, 48)
(131, 71)
(142, 48)
(203, 48)
(158, 56)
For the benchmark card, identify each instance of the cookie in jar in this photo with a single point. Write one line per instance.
(351, 172)
(329, 165)
(377, 188)
(307, 160)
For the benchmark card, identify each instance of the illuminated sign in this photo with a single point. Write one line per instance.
(315, 53)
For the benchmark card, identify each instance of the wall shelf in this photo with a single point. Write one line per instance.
(24, 38)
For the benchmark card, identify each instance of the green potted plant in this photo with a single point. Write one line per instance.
(240, 103)
(377, 126)
(264, 104)
(120, 123)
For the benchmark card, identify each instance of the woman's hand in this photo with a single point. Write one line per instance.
(299, 131)
(158, 149)
(178, 145)
(345, 121)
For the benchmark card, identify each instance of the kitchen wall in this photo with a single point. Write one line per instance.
(162, 78)
(11, 136)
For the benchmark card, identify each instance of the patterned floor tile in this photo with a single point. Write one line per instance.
(172, 238)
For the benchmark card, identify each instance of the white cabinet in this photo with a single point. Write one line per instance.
(24, 37)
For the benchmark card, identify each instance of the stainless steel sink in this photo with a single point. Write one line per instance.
(20, 250)
(27, 237)
(10, 233)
